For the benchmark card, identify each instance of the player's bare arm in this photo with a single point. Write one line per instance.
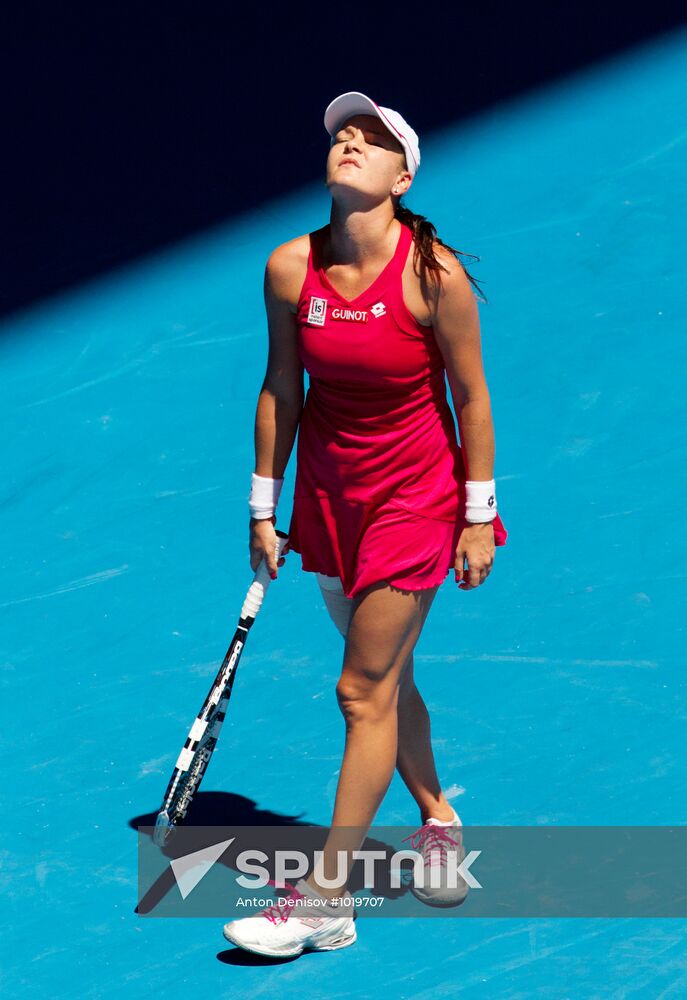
(281, 396)
(455, 321)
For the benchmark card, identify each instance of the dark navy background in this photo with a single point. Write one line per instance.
(129, 126)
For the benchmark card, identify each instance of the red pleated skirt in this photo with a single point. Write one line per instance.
(363, 545)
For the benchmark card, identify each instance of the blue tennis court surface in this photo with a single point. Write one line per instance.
(556, 690)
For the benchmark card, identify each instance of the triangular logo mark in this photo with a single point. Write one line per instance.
(189, 870)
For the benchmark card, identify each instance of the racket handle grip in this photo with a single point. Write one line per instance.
(261, 582)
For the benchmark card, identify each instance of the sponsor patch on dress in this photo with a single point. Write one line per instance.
(350, 315)
(317, 311)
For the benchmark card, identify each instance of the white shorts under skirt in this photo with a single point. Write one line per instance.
(338, 605)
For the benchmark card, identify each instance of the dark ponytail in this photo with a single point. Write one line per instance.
(425, 237)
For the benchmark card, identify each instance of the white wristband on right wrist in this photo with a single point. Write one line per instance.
(264, 495)
(480, 502)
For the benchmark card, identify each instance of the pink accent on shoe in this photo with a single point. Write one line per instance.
(429, 837)
(281, 912)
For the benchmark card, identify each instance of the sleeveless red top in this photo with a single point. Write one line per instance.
(376, 434)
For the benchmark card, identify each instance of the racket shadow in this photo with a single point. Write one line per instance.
(210, 810)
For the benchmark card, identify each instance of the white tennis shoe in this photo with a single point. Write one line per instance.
(300, 920)
(441, 846)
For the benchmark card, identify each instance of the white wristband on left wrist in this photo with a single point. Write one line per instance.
(480, 501)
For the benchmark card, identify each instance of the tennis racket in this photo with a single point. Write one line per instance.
(202, 739)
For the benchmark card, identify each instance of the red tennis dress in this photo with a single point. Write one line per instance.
(380, 481)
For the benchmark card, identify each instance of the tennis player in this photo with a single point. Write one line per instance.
(379, 311)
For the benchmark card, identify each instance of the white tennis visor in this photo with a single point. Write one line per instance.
(354, 103)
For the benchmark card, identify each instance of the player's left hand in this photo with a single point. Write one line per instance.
(476, 545)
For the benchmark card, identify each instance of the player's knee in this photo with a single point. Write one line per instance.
(365, 692)
(362, 705)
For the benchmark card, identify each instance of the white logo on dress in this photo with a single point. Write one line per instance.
(354, 315)
(317, 312)
(378, 309)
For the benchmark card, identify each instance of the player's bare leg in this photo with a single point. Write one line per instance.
(384, 627)
(415, 758)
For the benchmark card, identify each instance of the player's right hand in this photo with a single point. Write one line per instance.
(262, 544)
